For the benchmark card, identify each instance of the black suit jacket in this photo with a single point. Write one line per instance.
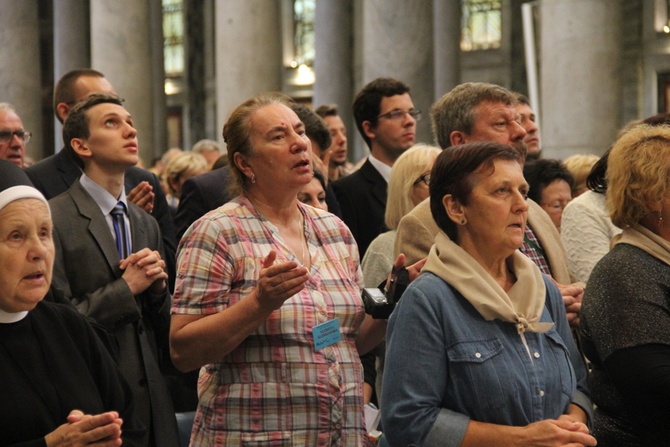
(362, 199)
(55, 174)
(87, 268)
(201, 194)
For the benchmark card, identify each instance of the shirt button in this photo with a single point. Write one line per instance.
(478, 355)
(536, 355)
(541, 393)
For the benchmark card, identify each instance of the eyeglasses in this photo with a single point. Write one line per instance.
(424, 178)
(7, 135)
(396, 115)
(556, 205)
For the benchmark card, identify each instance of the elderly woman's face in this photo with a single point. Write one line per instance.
(282, 154)
(495, 217)
(26, 254)
(555, 197)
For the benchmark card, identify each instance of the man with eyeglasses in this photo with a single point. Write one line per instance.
(13, 137)
(386, 119)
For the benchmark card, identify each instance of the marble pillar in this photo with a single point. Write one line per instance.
(580, 91)
(20, 79)
(447, 41)
(397, 42)
(334, 58)
(122, 48)
(71, 45)
(248, 53)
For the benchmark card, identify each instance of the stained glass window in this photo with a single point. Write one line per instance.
(173, 37)
(303, 32)
(481, 25)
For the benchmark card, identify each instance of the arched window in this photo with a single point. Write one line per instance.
(173, 37)
(481, 25)
(303, 32)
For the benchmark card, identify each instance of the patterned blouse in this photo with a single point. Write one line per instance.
(274, 388)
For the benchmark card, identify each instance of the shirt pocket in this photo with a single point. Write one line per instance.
(481, 376)
(560, 364)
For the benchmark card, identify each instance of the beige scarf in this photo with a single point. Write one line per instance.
(522, 305)
(646, 240)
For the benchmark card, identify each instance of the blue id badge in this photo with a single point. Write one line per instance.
(326, 334)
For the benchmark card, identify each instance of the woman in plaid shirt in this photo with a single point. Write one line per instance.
(257, 277)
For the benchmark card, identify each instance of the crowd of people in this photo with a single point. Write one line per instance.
(216, 298)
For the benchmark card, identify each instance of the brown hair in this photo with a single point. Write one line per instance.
(456, 109)
(453, 174)
(65, 92)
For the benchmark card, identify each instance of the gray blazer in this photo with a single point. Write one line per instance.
(86, 268)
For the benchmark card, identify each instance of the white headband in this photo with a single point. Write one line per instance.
(21, 192)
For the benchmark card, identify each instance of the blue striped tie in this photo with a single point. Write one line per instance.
(120, 230)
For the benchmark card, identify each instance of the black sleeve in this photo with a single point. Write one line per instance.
(369, 369)
(163, 216)
(642, 375)
(331, 201)
(192, 206)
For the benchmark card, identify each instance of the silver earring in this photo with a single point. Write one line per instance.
(253, 178)
(660, 219)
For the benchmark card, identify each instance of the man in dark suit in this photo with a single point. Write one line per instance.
(386, 118)
(199, 195)
(108, 256)
(56, 173)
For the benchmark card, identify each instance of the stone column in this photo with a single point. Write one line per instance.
(580, 92)
(20, 82)
(248, 53)
(334, 58)
(447, 41)
(397, 42)
(71, 45)
(122, 48)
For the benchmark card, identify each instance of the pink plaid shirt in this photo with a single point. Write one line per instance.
(274, 389)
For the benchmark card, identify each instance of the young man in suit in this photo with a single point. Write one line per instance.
(109, 256)
(386, 118)
(56, 173)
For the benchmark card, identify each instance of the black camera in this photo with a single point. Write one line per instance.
(380, 303)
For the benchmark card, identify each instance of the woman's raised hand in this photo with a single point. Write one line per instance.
(278, 282)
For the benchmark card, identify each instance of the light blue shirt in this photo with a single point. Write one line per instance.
(106, 202)
(445, 364)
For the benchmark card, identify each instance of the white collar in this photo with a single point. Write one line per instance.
(12, 317)
(383, 168)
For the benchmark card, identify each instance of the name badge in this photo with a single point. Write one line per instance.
(326, 334)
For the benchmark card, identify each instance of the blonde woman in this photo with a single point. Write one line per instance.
(625, 325)
(580, 166)
(408, 186)
(178, 170)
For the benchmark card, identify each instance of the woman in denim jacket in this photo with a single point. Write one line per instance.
(479, 351)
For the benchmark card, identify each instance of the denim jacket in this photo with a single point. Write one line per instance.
(446, 365)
